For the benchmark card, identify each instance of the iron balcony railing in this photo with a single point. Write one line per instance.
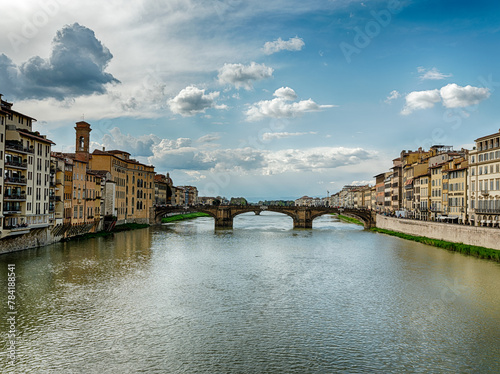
(15, 197)
(487, 210)
(16, 164)
(15, 180)
(17, 148)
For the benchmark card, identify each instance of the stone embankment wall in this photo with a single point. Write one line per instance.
(481, 236)
(36, 238)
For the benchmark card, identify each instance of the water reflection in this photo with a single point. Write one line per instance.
(262, 297)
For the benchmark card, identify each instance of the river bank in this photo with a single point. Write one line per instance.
(486, 237)
(116, 229)
(182, 217)
(350, 220)
(471, 250)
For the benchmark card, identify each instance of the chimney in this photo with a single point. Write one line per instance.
(103, 149)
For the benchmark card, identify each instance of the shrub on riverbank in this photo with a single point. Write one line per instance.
(350, 220)
(472, 250)
(181, 217)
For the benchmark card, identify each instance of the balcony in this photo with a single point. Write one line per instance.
(14, 197)
(487, 211)
(16, 165)
(12, 209)
(15, 180)
(17, 147)
(54, 198)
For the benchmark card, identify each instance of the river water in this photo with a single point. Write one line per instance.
(261, 298)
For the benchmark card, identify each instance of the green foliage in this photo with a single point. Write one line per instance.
(350, 220)
(118, 228)
(181, 217)
(472, 250)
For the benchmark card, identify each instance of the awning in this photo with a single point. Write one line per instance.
(409, 181)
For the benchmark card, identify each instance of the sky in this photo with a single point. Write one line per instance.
(262, 99)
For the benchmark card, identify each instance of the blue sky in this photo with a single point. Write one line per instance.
(262, 99)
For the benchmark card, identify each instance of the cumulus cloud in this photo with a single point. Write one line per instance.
(181, 154)
(392, 96)
(285, 93)
(76, 67)
(455, 96)
(280, 135)
(241, 75)
(192, 100)
(282, 107)
(420, 100)
(432, 74)
(314, 159)
(292, 44)
(451, 96)
(363, 183)
(136, 146)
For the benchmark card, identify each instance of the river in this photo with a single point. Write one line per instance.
(261, 298)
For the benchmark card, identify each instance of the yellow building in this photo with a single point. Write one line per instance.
(422, 197)
(436, 189)
(484, 182)
(455, 189)
(134, 182)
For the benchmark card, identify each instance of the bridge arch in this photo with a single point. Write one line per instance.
(289, 213)
(302, 216)
(162, 212)
(319, 214)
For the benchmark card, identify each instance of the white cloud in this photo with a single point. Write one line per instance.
(392, 96)
(241, 75)
(281, 107)
(285, 93)
(363, 183)
(136, 146)
(292, 44)
(280, 135)
(180, 154)
(432, 74)
(451, 95)
(420, 100)
(455, 96)
(314, 159)
(192, 100)
(209, 138)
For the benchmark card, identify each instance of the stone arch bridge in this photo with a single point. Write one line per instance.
(302, 216)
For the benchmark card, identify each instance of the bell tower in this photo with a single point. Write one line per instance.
(82, 141)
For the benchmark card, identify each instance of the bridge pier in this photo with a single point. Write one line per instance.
(303, 219)
(223, 219)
